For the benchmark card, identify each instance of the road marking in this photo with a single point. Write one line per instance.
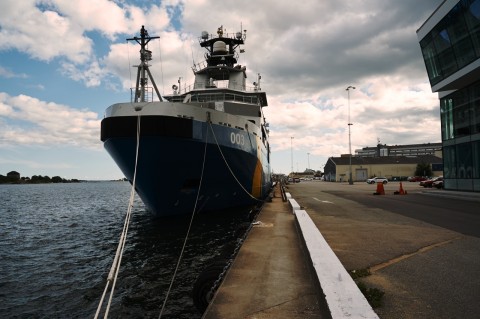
(323, 201)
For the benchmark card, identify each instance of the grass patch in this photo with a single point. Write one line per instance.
(374, 296)
(359, 273)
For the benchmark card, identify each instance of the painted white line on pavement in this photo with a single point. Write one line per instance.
(323, 201)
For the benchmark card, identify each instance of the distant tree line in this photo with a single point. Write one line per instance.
(14, 178)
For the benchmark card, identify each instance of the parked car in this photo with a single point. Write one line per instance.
(429, 182)
(417, 178)
(375, 180)
(438, 183)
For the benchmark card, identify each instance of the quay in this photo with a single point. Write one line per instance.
(278, 272)
(288, 269)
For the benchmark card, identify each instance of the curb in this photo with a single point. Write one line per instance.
(343, 297)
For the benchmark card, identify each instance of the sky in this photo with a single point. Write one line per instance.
(63, 62)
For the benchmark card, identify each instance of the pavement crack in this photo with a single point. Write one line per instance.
(405, 256)
(280, 304)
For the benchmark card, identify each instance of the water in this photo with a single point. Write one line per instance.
(57, 243)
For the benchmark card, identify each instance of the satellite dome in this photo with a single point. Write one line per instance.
(220, 47)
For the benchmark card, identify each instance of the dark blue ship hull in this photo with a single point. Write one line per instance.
(173, 153)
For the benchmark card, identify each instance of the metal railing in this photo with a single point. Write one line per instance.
(147, 97)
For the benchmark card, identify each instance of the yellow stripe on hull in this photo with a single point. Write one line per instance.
(257, 175)
(257, 180)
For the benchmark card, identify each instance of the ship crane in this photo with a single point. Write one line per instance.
(143, 68)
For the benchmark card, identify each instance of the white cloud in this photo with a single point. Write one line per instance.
(307, 54)
(29, 121)
(90, 74)
(6, 73)
(385, 108)
(42, 34)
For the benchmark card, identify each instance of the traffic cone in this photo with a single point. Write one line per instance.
(380, 190)
(401, 191)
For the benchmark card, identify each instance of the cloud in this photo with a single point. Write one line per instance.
(385, 108)
(6, 73)
(307, 55)
(29, 121)
(170, 60)
(42, 34)
(90, 74)
(51, 29)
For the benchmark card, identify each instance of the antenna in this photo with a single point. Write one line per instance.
(143, 70)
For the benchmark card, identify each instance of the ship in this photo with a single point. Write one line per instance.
(203, 147)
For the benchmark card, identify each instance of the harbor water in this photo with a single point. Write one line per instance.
(57, 243)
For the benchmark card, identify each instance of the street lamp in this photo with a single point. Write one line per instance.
(291, 151)
(350, 180)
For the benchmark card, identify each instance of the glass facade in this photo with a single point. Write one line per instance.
(454, 42)
(460, 116)
(451, 45)
(460, 113)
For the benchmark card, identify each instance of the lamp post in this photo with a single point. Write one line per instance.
(350, 180)
(291, 151)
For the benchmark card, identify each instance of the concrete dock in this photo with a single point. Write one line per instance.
(271, 276)
(286, 269)
(276, 274)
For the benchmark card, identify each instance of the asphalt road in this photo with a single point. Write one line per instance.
(425, 204)
(422, 249)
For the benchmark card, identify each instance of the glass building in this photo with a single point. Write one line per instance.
(450, 43)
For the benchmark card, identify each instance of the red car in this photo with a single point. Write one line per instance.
(429, 182)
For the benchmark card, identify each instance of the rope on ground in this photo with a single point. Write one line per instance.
(113, 274)
(188, 230)
(228, 166)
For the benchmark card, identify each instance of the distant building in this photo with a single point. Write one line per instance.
(401, 150)
(450, 44)
(392, 167)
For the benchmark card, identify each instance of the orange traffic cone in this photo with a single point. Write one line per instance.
(380, 190)
(401, 191)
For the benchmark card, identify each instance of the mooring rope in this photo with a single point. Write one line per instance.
(188, 231)
(113, 274)
(228, 166)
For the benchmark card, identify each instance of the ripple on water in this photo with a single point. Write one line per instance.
(57, 243)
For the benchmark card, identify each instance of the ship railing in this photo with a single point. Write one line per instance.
(217, 85)
(136, 95)
(199, 66)
(200, 85)
(236, 35)
(217, 97)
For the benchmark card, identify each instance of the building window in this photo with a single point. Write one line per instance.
(449, 167)
(476, 159)
(472, 19)
(475, 112)
(446, 115)
(464, 161)
(460, 37)
(461, 114)
(446, 58)
(431, 62)
(454, 42)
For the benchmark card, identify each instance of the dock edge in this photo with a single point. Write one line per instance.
(344, 298)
